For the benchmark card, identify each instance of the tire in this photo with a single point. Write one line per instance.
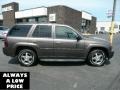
(27, 57)
(97, 57)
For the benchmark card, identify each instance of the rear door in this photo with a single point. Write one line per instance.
(42, 36)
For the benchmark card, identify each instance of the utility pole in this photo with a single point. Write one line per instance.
(112, 23)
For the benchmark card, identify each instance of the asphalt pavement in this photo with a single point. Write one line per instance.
(70, 75)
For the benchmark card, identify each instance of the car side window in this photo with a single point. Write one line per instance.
(62, 32)
(20, 30)
(43, 31)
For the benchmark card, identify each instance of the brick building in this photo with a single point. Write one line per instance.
(80, 20)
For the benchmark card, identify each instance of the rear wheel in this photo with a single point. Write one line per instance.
(27, 57)
(97, 57)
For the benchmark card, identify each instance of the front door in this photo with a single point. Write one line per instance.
(66, 44)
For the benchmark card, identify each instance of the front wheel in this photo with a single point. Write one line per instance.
(27, 57)
(97, 57)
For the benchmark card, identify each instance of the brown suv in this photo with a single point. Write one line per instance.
(31, 42)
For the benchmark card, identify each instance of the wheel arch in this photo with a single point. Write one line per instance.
(100, 48)
(19, 48)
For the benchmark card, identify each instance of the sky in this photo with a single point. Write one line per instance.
(98, 8)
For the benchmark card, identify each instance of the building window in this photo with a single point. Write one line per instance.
(102, 28)
(1, 22)
(42, 19)
(31, 20)
(36, 19)
(88, 22)
(116, 26)
(109, 28)
(19, 21)
(83, 22)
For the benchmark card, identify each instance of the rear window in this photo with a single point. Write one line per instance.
(20, 30)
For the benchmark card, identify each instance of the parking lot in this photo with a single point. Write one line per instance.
(70, 75)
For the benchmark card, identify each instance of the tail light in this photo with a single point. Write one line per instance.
(6, 42)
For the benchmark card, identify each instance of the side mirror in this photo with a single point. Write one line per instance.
(78, 38)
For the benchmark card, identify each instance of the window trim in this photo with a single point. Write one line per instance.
(102, 28)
